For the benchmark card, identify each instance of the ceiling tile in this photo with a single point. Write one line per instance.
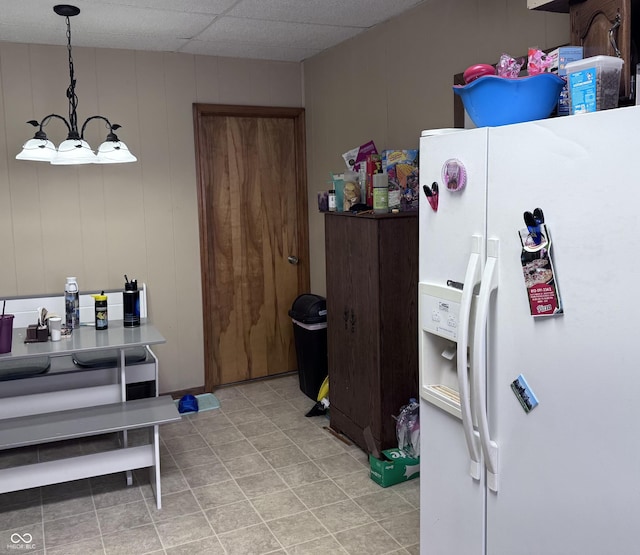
(187, 6)
(276, 33)
(264, 29)
(135, 42)
(353, 13)
(246, 50)
(130, 21)
(127, 21)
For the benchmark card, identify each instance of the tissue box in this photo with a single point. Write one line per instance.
(396, 467)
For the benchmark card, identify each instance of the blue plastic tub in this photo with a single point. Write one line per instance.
(491, 101)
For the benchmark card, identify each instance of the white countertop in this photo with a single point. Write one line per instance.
(85, 338)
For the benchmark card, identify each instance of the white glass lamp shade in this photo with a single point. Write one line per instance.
(39, 150)
(114, 152)
(72, 152)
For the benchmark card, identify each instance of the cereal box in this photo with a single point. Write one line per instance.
(560, 57)
(402, 168)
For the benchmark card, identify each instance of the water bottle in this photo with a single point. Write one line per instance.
(131, 303)
(71, 304)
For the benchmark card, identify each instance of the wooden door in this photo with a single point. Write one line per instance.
(252, 199)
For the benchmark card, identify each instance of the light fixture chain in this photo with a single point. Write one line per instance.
(71, 91)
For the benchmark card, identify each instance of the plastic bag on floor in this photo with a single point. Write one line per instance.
(408, 429)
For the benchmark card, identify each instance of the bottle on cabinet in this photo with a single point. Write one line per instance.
(380, 193)
(332, 200)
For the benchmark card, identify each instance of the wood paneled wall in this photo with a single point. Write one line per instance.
(100, 222)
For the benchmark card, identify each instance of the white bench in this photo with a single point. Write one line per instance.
(70, 402)
(89, 421)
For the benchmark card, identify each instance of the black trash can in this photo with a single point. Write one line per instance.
(309, 316)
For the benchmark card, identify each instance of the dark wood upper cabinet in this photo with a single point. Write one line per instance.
(601, 27)
(606, 27)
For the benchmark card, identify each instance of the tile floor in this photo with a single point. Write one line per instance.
(252, 477)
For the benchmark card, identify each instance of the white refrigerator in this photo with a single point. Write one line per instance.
(529, 338)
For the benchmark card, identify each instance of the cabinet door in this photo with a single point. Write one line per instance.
(399, 318)
(353, 325)
(595, 22)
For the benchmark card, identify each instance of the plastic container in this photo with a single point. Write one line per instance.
(594, 83)
(55, 328)
(309, 316)
(380, 193)
(492, 101)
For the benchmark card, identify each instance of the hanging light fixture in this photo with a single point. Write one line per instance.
(74, 150)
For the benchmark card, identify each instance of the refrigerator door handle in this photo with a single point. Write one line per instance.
(471, 277)
(479, 363)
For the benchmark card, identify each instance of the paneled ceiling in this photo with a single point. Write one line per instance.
(285, 30)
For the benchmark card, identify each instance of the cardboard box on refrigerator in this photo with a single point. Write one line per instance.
(402, 170)
(560, 57)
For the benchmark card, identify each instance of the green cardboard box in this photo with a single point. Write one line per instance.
(396, 467)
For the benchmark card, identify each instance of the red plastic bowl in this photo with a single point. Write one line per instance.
(478, 70)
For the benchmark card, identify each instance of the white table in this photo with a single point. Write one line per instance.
(83, 411)
(86, 338)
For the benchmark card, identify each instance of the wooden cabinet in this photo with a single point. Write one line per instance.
(601, 27)
(608, 27)
(372, 277)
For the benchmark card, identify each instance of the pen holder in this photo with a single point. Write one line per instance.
(37, 334)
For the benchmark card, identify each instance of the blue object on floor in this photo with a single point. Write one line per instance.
(204, 401)
(188, 403)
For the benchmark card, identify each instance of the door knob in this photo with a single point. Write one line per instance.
(293, 260)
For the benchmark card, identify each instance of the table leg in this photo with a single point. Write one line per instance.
(123, 398)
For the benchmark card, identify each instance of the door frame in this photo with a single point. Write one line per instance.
(207, 254)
